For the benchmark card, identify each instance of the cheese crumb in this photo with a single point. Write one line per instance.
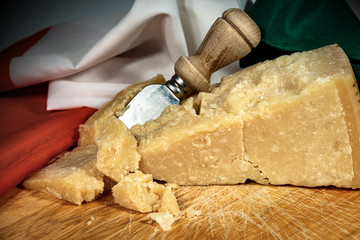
(90, 221)
(164, 219)
(191, 213)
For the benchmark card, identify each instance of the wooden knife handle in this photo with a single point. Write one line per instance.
(230, 38)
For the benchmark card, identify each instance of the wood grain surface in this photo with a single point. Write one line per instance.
(247, 211)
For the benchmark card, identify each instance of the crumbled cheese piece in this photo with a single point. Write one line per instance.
(164, 219)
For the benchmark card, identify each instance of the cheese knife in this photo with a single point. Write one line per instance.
(230, 38)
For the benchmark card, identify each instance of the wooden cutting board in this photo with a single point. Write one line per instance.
(247, 211)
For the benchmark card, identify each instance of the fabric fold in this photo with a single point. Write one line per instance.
(116, 50)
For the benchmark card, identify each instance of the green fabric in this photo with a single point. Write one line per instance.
(301, 25)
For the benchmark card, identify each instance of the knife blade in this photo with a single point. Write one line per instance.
(150, 102)
(230, 38)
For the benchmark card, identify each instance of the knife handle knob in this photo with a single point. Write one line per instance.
(230, 38)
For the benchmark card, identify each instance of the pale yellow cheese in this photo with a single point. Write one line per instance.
(199, 150)
(138, 191)
(305, 137)
(117, 150)
(73, 177)
(164, 219)
(118, 159)
(294, 120)
(168, 202)
(93, 128)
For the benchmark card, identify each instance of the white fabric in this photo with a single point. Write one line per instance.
(88, 61)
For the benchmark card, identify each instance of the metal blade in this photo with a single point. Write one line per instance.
(148, 104)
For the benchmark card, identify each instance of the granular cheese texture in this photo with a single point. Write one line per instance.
(164, 219)
(117, 150)
(138, 191)
(73, 177)
(93, 128)
(293, 120)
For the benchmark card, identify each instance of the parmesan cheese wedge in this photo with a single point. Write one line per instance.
(293, 120)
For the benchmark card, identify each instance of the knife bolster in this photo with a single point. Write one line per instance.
(178, 87)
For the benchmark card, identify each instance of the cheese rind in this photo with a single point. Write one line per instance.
(348, 93)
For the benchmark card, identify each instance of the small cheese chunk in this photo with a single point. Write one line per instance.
(138, 191)
(117, 150)
(135, 192)
(169, 202)
(164, 219)
(72, 177)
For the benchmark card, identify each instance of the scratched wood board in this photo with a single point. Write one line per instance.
(246, 211)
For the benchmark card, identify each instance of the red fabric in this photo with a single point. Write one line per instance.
(30, 136)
